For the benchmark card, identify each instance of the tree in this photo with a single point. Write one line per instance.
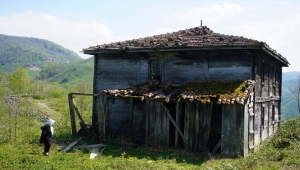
(20, 81)
(295, 90)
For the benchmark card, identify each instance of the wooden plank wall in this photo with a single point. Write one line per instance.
(138, 128)
(204, 125)
(117, 71)
(185, 68)
(196, 65)
(258, 105)
(119, 113)
(265, 105)
(158, 125)
(230, 66)
(197, 125)
(232, 130)
(267, 96)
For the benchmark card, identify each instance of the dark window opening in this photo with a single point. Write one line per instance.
(215, 128)
(155, 70)
(172, 130)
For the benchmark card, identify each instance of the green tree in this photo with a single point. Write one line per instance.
(20, 81)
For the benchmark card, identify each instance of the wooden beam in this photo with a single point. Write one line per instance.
(66, 149)
(72, 114)
(147, 121)
(178, 122)
(90, 146)
(79, 116)
(83, 94)
(177, 128)
(216, 147)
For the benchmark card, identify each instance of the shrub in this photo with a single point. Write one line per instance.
(287, 134)
(39, 96)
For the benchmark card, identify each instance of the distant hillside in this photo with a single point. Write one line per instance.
(31, 53)
(69, 73)
(289, 106)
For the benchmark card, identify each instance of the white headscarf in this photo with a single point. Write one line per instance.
(51, 122)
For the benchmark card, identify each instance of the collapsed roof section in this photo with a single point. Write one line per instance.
(224, 92)
(198, 38)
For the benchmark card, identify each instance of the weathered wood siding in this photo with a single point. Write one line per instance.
(204, 112)
(119, 113)
(267, 98)
(232, 130)
(197, 118)
(196, 65)
(185, 67)
(158, 125)
(138, 120)
(229, 66)
(117, 71)
(248, 127)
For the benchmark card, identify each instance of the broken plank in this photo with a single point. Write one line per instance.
(90, 146)
(217, 147)
(66, 149)
(175, 125)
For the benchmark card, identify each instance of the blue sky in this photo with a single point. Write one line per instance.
(79, 24)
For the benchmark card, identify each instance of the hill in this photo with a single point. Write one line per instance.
(32, 53)
(289, 106)
(69, 73)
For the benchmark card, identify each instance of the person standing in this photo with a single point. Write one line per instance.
(46, 136)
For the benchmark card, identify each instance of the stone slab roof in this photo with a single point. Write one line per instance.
(193, 37)
(224, 92)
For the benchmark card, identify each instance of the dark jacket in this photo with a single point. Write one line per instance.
(46, 133)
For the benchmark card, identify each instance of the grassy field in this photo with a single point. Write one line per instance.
(20, 148)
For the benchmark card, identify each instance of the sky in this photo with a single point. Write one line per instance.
(78, 24)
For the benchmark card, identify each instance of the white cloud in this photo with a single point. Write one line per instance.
(70, 34)
(283, 36)
(210, 14)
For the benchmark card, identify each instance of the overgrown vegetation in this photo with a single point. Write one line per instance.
(20, 148)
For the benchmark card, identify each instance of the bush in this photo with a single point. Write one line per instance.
(39, 96)
(57, 93)
(288, 133)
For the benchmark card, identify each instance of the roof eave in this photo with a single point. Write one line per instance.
(284, 62)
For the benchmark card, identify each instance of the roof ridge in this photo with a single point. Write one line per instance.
(200, 36)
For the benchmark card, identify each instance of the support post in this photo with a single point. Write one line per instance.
(72, 114)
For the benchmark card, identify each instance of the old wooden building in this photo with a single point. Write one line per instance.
(192, 89)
